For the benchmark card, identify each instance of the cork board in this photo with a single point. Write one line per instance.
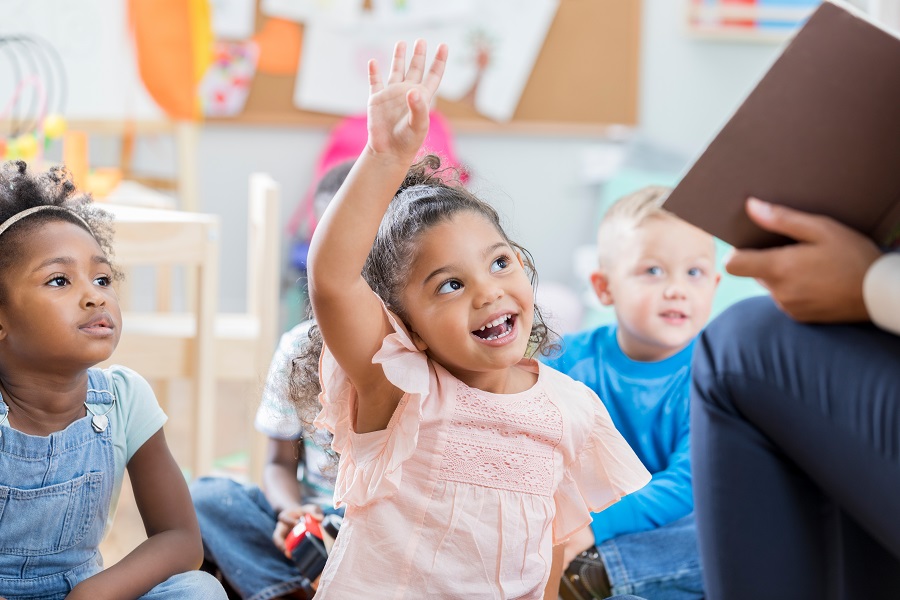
(584, 79)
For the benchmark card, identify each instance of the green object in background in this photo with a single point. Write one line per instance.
(628, 180)
(295, 300)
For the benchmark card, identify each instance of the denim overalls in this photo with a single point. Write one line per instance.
(52, 520)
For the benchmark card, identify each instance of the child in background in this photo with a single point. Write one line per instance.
(243, 526)
(658, 273)
(462, 462)
(239, 521)
(68, 430)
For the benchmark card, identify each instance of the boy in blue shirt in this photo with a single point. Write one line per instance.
(658, 273)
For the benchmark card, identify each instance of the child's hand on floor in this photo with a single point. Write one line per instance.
(398, 111)
(288, 518)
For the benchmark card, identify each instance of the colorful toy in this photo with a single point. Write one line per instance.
(306, 547)
(34, 110)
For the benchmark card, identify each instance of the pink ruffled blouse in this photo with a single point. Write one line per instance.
(465, 492)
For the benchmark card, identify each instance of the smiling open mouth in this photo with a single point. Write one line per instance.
(496, 329)
(673, 315)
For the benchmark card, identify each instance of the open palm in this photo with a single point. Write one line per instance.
(398, 111)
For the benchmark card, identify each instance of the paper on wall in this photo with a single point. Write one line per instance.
(233, 19)
(379, 13)
(333, 73)
(491, 60)
(346, 12)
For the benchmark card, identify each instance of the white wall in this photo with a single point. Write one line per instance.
(533, 182)
(691, 86)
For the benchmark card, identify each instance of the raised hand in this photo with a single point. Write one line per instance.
(398, 111)
(820, 278)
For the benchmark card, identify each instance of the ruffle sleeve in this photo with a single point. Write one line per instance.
(371, 464)
(605, 470)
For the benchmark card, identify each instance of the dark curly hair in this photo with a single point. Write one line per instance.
(408, 216)
(20, 190)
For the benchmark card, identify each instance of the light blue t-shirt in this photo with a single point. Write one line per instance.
(134, 418)
(649, 404)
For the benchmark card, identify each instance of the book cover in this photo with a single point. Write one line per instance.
(820, 132)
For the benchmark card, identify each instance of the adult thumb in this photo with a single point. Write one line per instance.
(795, 224)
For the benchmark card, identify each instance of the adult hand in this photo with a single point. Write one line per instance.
(289, 517)
(398, 111)
(820, 278)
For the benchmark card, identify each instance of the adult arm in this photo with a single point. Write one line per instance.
(881, 292)
(173, 536)
(820, 278)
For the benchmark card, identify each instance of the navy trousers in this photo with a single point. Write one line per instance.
(796, 457)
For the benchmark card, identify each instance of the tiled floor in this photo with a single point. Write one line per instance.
(237, 405)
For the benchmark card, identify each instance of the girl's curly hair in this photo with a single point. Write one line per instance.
(437, 196)
(20, 190)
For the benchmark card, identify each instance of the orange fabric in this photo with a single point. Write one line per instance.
(173, 47)
(279, 47)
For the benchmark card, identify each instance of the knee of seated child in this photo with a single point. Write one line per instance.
(213, 493)
(196, 585)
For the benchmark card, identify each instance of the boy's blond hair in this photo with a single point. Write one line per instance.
(630, 211)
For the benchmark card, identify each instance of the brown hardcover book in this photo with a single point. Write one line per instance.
(820, 132)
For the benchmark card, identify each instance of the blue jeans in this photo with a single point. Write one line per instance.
(195, 585)
(660, 564)
(795, 441)
(237, 522)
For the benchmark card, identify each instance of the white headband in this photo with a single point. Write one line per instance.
(19, 216)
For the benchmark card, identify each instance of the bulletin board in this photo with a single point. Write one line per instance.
(584, 79)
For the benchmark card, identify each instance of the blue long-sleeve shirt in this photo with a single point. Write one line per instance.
(649, 404)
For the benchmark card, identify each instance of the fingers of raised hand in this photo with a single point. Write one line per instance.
(398, 63)
(436, 72)
(416, 73)
(417, 63)
(375, 84)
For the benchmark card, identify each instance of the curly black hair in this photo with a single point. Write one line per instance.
(408, 216)
(21, 190)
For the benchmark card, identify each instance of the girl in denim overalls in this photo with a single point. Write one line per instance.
(68, 430)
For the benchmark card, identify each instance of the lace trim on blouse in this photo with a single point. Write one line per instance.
(503, 445)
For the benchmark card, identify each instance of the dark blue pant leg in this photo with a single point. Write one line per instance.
(796, 457)
(236, 524)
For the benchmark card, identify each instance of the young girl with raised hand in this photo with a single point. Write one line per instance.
(68, 430)
(462, 462)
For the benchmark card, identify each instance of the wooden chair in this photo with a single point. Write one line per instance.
(169, 345)
(155, 344)
(245, 342)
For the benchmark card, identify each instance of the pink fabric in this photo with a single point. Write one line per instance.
(465, 492)
(347, 140)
